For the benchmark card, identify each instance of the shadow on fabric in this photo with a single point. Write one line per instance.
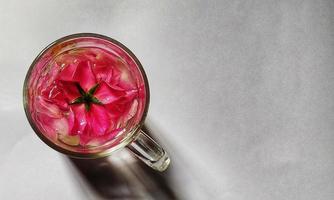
(122, 176)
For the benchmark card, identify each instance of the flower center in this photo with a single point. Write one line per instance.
(86, 98)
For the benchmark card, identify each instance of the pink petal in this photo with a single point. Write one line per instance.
(131, 94)
(61, 126)
(80, 120)
(84, 75)
(69, 90)
(126, 80)
(132, 110)
(71, 120)
(115, 110)
(103, 67)
(99, 120)
(45, 123)
(61, 93)
(100, 140)
(106, 94)
(103, 73)
(47, 108)
(84, 139)
(67, 73)
(116, 76)
(45, 114)
(127, 85)
(122, 105)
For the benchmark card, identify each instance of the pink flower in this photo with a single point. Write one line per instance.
(92, 96)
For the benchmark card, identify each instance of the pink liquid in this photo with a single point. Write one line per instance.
(85, 97)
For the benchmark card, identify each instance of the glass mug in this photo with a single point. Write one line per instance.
(87, 95)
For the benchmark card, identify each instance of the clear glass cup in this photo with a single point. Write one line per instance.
(87, 95)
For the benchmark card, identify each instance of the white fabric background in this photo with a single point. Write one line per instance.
(241, 95)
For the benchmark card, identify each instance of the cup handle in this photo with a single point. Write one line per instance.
(149, 151)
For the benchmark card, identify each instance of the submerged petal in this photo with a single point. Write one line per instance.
(54, 94)
(103, 73)
(61, 126)
(80, 120)
(67, 73)
(46, 114)
(84, 75)
(99, 120)
(102, 112)
(106, 94)
(69, 90)
(104, 69)
(98, 140)
(122, 105)
(46, 108)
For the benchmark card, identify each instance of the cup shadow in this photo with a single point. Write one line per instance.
(122, 176)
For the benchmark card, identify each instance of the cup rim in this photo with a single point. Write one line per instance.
(128, 138)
